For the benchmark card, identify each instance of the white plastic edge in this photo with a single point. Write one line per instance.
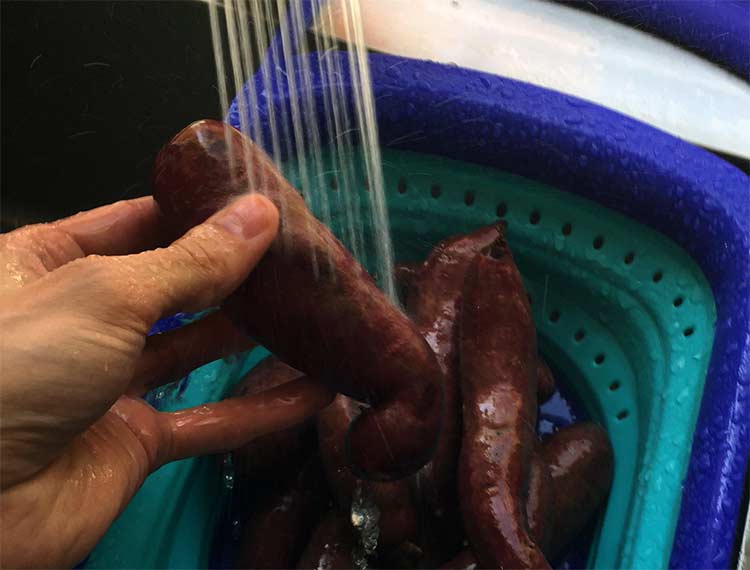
(571, 51)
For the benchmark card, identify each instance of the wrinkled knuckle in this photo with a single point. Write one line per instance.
(204, 259)
(99, 274)
(22, 237)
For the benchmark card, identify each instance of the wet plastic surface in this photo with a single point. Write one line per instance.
(691, 196)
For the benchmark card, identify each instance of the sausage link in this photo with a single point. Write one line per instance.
(498, 382)
(267, 456)
(332, 544)
(282, 519)
(581, 464)
(393, 499)
(435, 303)
(311, 303)
(539, 504)
(546, 386)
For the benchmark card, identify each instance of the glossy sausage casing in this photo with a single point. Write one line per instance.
(581, 464)
(498, 358)
(311, 303)
(332, 544)
(398, 521)
(267, 456)
(434, 300)
(283, 515)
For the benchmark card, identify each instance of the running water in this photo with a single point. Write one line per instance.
(301, 130)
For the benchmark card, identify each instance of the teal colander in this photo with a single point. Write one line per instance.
(623, 313)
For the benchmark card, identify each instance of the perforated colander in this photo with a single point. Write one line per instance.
(623, 312)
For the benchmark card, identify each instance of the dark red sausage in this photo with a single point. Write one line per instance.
(498, 383)
(311, 303)
(393, 499)
(435, 302)
(539, 513)
(283, 518)
(267, 456)
(465, 560)
(539, 503)
(581, 464)
(405, 275)
(332, 544)
(546, 386)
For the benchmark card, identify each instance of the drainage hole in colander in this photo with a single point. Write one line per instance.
(401, 188)
(598, 242)
(689, 331)
(567, 229)
(436, 191)
(622, 414)
(535, 217)
(554, 316)
(657, 277)
(469, 198)
(531, 301)
(629, 257)
(678, 301)
(502, 209)
(599, 359)
(579, 336)
(334, 184)
(614, 386)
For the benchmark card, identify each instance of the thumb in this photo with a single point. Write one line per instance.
(204, 266)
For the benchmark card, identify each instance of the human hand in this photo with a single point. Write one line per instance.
(77, 299)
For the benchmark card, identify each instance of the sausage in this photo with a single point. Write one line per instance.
(465, 560)
(435, 302)
(282, 519)
(311, 303)
(498, 383)
(332, 544)
(265, 457)
(407, 555)
(393, 499)
(581, 464)
(405, 274)
(539, 513)
(539, 503)
(546, 386)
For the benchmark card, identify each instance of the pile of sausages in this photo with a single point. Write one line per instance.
(429, 455)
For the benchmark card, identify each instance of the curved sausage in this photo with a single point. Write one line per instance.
(265, 457)
(498, 383)
(546, 386)
(282, 519)
(539, 504)
(405, 275)
(539, 513)
(332, 544)
(465, 560)
(393, 499)
(435, 303)
(311, 303)
(581, 464)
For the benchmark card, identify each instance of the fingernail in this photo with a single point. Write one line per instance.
(247, 216)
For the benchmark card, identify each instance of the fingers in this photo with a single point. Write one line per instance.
(121, 228)
(227, 425)
(170, 356)
(125, 227)
(201, 268)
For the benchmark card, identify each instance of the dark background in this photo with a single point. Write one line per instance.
(90, 91)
